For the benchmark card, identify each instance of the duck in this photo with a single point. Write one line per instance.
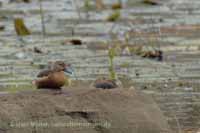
(157, 55)
(104, 83)
(151, 2)
(75, 42)
(55, 76)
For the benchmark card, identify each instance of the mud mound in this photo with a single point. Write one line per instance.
(81, 110)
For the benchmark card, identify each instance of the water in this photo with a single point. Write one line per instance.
(147, 25)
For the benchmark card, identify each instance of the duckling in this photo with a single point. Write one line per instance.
(104, 83)
(56, 76)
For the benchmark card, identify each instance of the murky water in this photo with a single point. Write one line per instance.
(158, 26)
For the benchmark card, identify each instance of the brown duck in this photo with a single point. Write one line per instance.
(56, 76)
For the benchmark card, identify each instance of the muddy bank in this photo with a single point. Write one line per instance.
(81, 110)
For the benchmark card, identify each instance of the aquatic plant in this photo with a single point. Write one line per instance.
(79, 17)
(20, 27)
(127, 38)
(180, 84)
(125, 65)
(87, 5)
(42, 19)
(136, 50)
(112, 54)
(118, 49)
(114, 16)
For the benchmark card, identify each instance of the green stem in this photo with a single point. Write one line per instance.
(42, 19)
(112, 71)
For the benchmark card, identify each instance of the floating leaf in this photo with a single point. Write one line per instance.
(20, 27)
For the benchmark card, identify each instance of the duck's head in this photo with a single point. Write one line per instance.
(62, 66)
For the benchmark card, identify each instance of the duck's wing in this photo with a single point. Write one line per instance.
(44, 73)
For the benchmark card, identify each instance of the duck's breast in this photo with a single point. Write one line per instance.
(57, 79)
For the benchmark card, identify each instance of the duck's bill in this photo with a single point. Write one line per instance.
(69, 71)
